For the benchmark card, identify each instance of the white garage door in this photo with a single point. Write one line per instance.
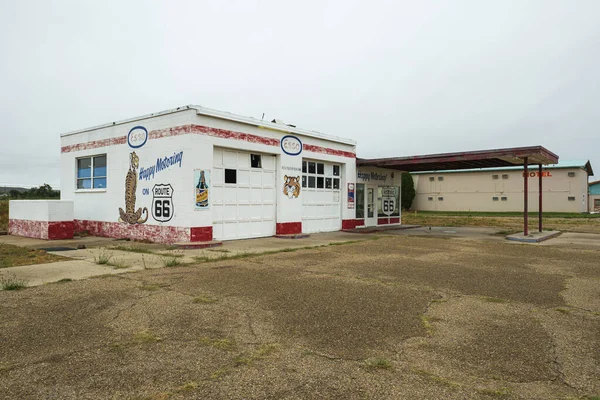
(321, 197)
(243, 194)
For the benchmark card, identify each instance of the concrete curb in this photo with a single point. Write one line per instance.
(534, 238)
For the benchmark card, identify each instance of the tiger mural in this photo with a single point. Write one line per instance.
(291, 187)
(130, 215)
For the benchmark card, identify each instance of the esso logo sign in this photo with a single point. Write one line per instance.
(291, 145)
(137, 137)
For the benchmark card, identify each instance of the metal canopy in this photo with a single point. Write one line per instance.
(464, 160)
(476, 159)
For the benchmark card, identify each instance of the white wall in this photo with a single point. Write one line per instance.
(197, 145)
(41, 210)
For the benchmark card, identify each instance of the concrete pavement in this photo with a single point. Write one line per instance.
(125, 256)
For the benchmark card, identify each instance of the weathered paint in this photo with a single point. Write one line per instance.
(288, 228)
(201, 234)
(350, 223)
(51, 230)
(152, 233)
(203, 130)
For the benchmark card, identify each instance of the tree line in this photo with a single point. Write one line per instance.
(43, 192)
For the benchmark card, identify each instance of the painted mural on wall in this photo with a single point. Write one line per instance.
(201, 181)
(162, 202)
(130, 215)
(291, 186)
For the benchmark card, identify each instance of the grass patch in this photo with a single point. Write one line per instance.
(151, 287)
(171, 262)
(498, 214)
(134, 248)
(176, 255)
(437, 379)
(103, 257)
(502, 392)
(118, 264)
(14, 256)
(11, 282)
(563, 310)
(427, 324)
(188, 387)
(218, 374)
(219, 250)
(262, 352)
(221, 344)
(378, 363)
(204, 299)
(493, 299)
(3, 215)
(146, 336)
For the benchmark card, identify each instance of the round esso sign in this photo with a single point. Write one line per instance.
(137, 137)
(291, 145)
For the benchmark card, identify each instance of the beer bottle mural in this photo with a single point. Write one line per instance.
(201, 178)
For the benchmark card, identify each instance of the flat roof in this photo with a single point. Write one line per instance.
(464, 160)
(581, 164)
(275, 126)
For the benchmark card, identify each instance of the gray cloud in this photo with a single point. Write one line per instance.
(400, 77)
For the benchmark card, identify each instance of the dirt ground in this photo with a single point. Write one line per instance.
(509, 224)
(394, 318)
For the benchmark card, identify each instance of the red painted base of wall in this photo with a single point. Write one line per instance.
(61, 230)
(201, 234)
(385, 221)
(121, 230)
(288, 228)
(41, 229)
(351, 223)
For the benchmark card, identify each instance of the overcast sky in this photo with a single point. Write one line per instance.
(399, 77)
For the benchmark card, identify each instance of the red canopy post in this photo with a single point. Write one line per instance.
(525, 190)
(540, 197)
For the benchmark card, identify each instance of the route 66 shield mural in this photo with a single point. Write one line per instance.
(388, 200)
(162, 202)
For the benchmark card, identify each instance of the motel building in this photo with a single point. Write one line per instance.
(594, 196)
(565, 188)
(194, 174)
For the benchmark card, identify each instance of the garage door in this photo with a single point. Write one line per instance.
(321, 197)
(243, 194)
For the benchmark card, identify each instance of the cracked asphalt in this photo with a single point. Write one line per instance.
(395, 318)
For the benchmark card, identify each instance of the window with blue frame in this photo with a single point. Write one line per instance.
(91, 172)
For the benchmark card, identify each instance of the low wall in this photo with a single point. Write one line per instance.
(41, 219)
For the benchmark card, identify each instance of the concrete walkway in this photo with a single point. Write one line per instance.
(104, 256)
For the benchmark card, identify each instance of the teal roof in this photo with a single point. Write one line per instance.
(582, 164)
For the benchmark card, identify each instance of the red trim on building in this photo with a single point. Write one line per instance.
(288, 228)
(360, 222)
(61, 230)
(383, 221)
(395, 220)
(349, 223)
(201, 234)
(225, 134)
(325, 150)
(121, 230)
(94, 144)
(202, 130)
